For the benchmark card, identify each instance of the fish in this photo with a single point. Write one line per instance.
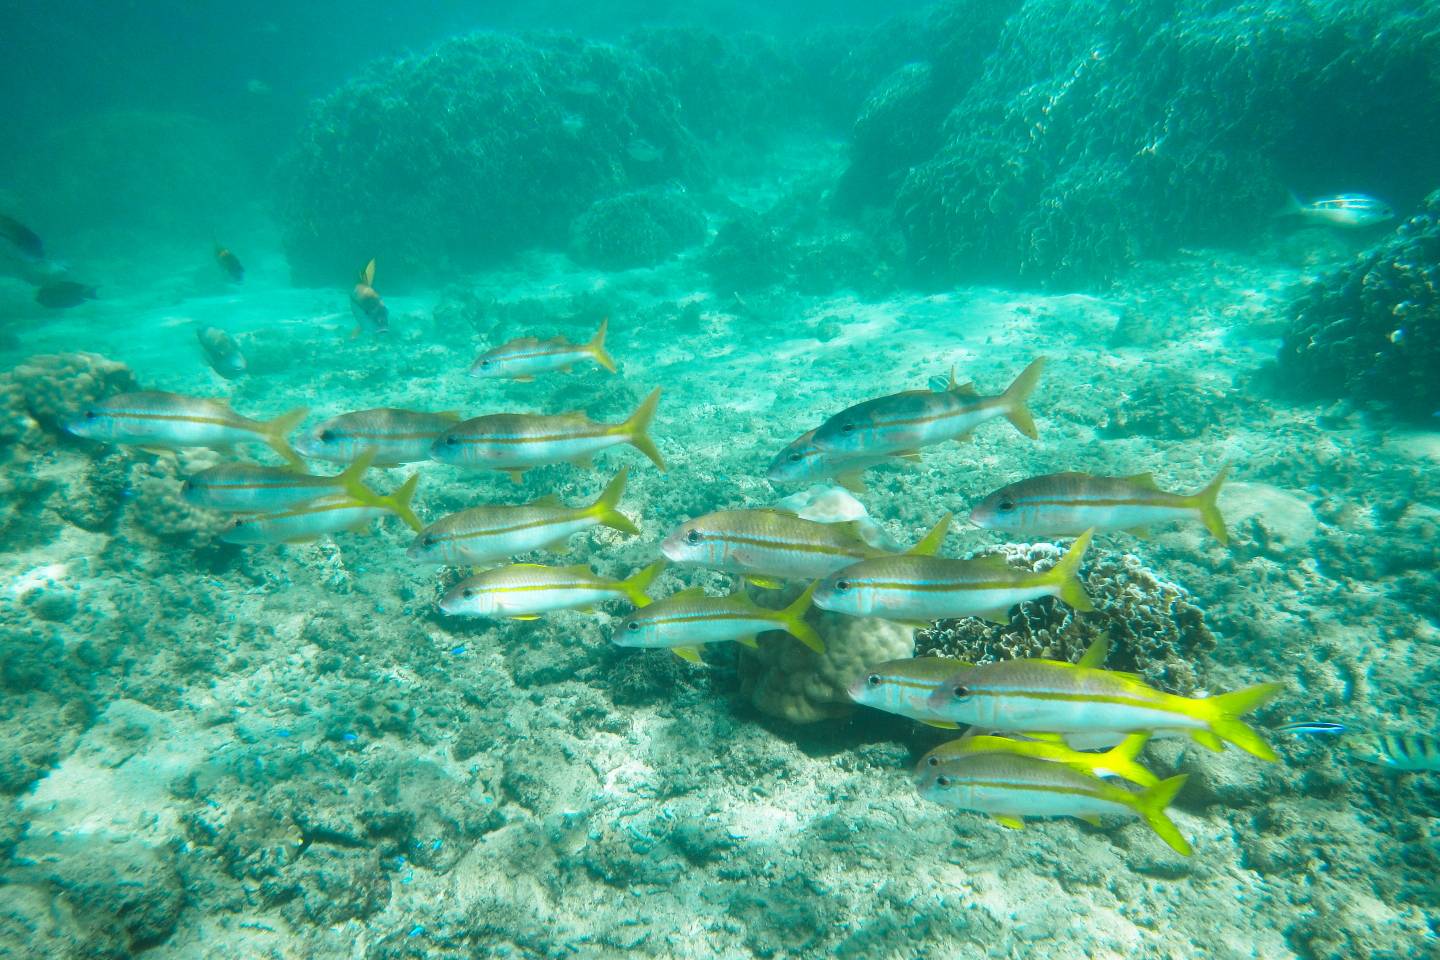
(365, 304)
(1342, 210)
(222, 353)
(523, 358)
(1312, 728)
(1068, 504)
(229, 263)
(251, 488)
(22, 238)
(396, 436)
(827, 504)
(526, 591)
(904, 687)
(1011, 787)
(1056, 697)
(904, 422)
(485, 534)
(919, 589)
(1400, 752)
(1119, 761)
(330, 514)
(152, 419)
(515, 442)
(803, 461)
(684, 621)
(61, 294)
(767, 546)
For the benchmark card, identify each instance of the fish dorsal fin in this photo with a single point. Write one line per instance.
(689, 593)
(781, 511)
(454, 416)
(991, 561)
(534, 566)
(962, 389)
(549, 500)
(1094, 655)
(1145, 480)
(367, 276)
(583, 569)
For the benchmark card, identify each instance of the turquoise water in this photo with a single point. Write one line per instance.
(415, 711)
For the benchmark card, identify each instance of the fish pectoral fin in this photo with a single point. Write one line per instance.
(689, 655)
(1089, 818)
(965, 438)
(765, 583)
(1142, 533)
(918, 624)
(911, 455)
(942, 724)
(1001, 617)
(1006, 820)
(584, 463)
(525, 378)
(749, 641)
(516, 476)
(852, 480)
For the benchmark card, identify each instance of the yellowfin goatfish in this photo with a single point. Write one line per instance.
(1011, 787)
(1343, 210)
(684, 621)
(522, 359)
(1052, 696)
(804, 461)
(395, 436)
(922, 588)
(768, 546)
(172, 421)
(526, 591)
(496, 532)
(330, 514)
(904, 687)
(905, 422)
(251, 488)
(515, 442)
(1116, 762)
(1067, 504)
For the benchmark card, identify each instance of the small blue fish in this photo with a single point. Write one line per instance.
(1312, 728)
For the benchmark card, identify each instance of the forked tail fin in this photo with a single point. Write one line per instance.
(278, 430)
(1017, 396)
(793, 618)
(1066, 574)
(636, 586)
(637, 428)
(605, 510)
(1228, 708)
(1151, 806)
(1206, 501)
(597, 347)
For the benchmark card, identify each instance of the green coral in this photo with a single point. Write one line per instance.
(638, 229)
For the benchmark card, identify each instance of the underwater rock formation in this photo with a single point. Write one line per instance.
(40, 392)
(1098, 133)
(785, 679)
(1152, 625)
(485, 146)
(1371, 330)
(638, 229)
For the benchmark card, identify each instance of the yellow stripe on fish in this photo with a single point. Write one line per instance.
(685, 621)
(523, 358)
(396, 436)
(170, 420)
(525, 591)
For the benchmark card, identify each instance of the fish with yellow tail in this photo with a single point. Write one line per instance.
(524, 358)
(904, 422)
(528, 591)
(1119, 761)
(483, 535)
(365, 304)
(515, 442)
(329, 514)
(1011, 787)
(1057, 697)
(172, 421)
(770, 545)
(1066, 504)
(918, 588)
(252, 488)
(395, 436)
(682, 623)
(904, 687)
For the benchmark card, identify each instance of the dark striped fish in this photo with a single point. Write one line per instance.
(396, 436)
(1401, 752)
(172, 421)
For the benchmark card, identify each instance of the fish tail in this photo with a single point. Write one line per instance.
(1066, 574)
(597, 347)
(1151, 804)
(367, 276)
(349, 478)
(604, 508)
(1120, 759)
(1206, 501)
(398, 503)
(636, 585)
(930, 543)
(793, 617)
(275, 433)
(1017, 395)
(1228, 708)
(638, 428)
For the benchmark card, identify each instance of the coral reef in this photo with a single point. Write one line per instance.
(1370, 331)
(1153, 626)
(41, 391)
(486, 145)
(637, 229)
(785, 679)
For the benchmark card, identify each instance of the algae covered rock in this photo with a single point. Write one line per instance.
(638, 229)
(1153, 626)
(485, 146)
(1371, 329)
(41, 391)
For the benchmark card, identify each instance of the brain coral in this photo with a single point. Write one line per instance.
(1152, 626)
(487, 144)
(1371, 330)
(785, 679)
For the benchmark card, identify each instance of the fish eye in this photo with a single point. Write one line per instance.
(873, 679)
(327, 435)
(633, 626)
(942, 781)
(794, 458)
(484, 363)
(693, 536)
(90, 414)
(961, 693)
(1006, 505)
(933, 761)
(428, 540)
(467, 593)
(842, 585)
(451, 441)
(848, 428)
